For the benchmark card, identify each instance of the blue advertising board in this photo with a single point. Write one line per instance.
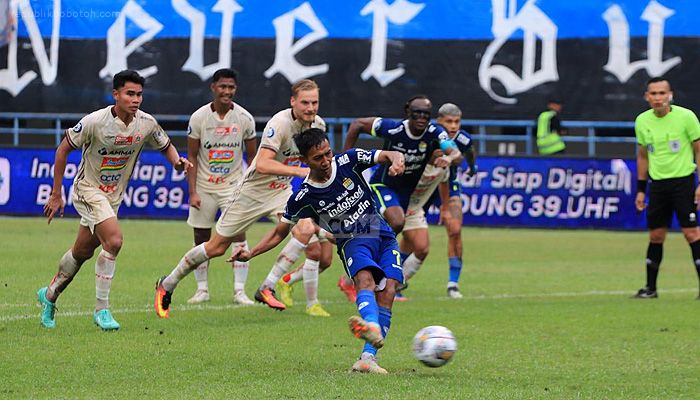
(527, 192)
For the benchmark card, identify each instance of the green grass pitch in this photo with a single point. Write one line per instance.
(546, 314)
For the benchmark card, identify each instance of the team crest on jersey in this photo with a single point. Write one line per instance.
(221, 156)
(650, 148)
(113, 163)
(348, 183)
(78, 127)
(123, 140)
(674, 145)
(270, 132)
(138, 137)
(422, 146)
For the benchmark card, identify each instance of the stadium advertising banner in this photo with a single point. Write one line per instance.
(550, 192)
(495, 58)
(506, 192)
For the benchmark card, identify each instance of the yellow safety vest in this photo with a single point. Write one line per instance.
(548, 142)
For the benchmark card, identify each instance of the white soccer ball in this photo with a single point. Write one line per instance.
(434, 346)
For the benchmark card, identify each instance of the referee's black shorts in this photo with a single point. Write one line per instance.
(667, 196)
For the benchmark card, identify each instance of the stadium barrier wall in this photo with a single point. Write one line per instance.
(527, 192)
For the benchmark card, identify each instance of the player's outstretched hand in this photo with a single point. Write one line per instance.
(54, 205)
(239, 254)
(397, 164)
(182, 164)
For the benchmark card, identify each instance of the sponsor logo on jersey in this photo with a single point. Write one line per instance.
(365, 157)
(301, 194)
(113, 163)
(123, 140)
(103, 152)
(344, 159)
(222, 130)
(347, 203)
(4, 180)
(348, 183)
(108, 188)
(221, 156)
(78, 127)
(209, 145)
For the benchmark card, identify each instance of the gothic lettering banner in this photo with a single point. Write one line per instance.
(497, 59)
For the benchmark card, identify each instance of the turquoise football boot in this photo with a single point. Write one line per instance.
(104, 320)
(48, 309)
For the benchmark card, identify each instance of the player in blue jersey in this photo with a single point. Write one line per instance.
(420, 141)
(336, 197)
(450, 191)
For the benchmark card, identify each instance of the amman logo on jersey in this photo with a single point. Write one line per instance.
(113, 163)
(348, 183)
(221, 156)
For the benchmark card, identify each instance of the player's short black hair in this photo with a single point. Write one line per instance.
(309, 139)
(659, 79)
(128, 75)
(414, 97)
(225, 73)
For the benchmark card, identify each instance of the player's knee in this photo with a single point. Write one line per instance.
(691, 235)
(421, 251)
(303, 230)
(397, 225)
(113, 244)
(325, 261)
(313, 251)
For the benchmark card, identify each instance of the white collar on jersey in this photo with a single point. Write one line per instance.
(408, 130)
(327, 183)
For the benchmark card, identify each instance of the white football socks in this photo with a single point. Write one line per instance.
(310, 274)
(189, 262)
(411, 266)
(104, 272)
(287, 257)
(67, 268)
(201, 275)
(240, 269)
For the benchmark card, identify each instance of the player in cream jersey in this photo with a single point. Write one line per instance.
(264, 192)
(217, 133)
(111, 140)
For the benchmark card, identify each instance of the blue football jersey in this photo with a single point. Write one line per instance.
(342, 205)
(463, 140)
(417, 151)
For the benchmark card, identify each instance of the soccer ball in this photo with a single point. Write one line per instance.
(434, 346)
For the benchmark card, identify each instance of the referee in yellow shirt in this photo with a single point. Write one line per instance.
(668, 153)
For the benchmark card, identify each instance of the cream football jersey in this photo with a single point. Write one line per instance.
(220, 158)
(110, 150)
(277, 136)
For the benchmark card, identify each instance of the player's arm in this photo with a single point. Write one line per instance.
(357, 126)
(470, 155)
(696, 150)
(395, 158)
(192, 154)
(266, 164)
(251, 148)
(269, 241)
(179, 163)
(643, 175)
(55, 203)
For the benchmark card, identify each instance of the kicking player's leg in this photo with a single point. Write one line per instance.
(201, 273)
(69, 265)
(214, 247)
(302, 233)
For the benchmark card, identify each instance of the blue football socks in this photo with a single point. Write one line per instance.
(455, 269)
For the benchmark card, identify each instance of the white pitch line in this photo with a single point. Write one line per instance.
(211, 307)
